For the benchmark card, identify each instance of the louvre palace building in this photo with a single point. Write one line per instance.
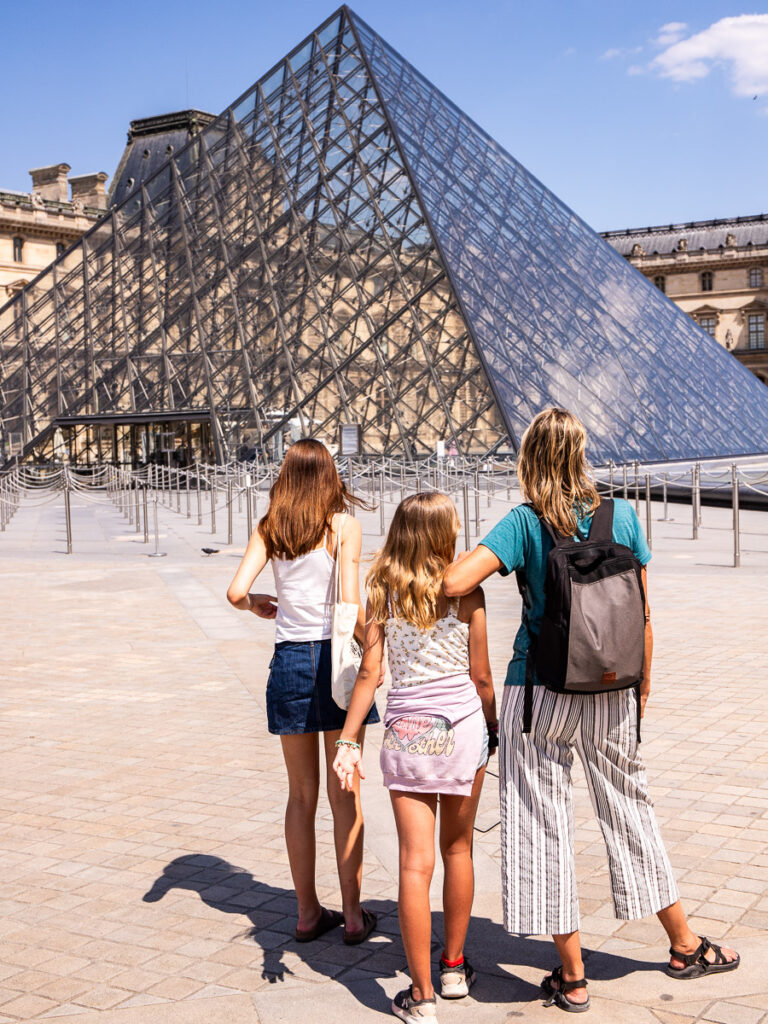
(342, 245)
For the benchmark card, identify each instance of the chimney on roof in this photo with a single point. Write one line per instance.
(90, 189)
(51, 182)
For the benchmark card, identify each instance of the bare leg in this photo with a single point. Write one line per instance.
(302, 759)
(457, 819)
(569, 948)
(681, 937)
(347, 835)
(415, 820)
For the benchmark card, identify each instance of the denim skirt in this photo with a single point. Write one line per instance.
(299, 690)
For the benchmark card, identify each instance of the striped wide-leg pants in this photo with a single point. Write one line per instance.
(538, 863)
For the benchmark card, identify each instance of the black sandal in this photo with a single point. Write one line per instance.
(554, 988)
(328, 920)
(696, 963)
(355, 938)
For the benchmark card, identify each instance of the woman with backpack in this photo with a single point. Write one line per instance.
(304, 531)
(539, 728)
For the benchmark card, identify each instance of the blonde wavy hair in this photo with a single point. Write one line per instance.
(553, 471)
(409, 569)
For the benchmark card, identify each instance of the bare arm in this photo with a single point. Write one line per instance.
(351, 543)
(645, 688)
(238, 594)
(479, 664)
(347, 758)
(469, 571)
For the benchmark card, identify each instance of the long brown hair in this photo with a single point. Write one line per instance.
(409, 568)
(303, 500)
(553, 471)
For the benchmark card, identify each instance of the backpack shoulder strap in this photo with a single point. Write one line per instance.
(601, 529)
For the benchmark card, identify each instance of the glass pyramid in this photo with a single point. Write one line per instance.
(342, 244)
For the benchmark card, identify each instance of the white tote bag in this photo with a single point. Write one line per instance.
(346, 652)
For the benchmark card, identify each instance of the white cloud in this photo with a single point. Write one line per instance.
(738, 44)
(615, 52)
(670, 33)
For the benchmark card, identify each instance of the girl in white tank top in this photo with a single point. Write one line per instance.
(297, 537)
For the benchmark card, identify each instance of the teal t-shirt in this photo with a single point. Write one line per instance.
(520, 541)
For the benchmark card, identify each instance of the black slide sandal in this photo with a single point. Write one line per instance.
(329, 919)
(555, 987)
(696, 963)
(355, 938)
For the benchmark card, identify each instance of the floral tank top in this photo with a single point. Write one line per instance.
(418, 656)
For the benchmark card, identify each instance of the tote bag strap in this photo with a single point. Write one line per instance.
(337, 567)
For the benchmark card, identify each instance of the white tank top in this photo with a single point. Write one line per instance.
(304, 596)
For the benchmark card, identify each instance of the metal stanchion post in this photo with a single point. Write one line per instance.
(212, 489)
(477, 504)
(637, 487)
(610, 479)
(157, 553)
(178, 490)
(465, 495)
(736, 532)
(350, 483)
(186, 482)
(698, 490)
(230, 501)
(648, 510)
(199, 506)
(136, 508)
(248, 505)
(68, 517)
(145, 511)
(509, 489)
(624, 482)
(402, 481)
(664, 492)
(694, 509)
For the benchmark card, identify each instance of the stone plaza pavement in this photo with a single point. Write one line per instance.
(144, 873)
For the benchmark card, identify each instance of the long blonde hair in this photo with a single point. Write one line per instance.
(409, 569)
(553, 471)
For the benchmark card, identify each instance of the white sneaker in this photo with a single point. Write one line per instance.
(455, 982)
(414, 1011)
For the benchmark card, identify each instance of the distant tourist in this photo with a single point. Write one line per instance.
(440, 713)
(307, 507)
(538, 869)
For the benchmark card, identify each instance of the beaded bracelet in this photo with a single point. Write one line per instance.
(348, 743)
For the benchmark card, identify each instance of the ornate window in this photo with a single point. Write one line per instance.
(756, 277)
(756, 330)
(60, 247)
(18, 250)
(708, 324)
(660, 282)
(706, 281)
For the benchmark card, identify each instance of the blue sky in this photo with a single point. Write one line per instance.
(628, 124)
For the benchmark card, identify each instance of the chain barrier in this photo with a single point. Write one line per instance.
(383, 482)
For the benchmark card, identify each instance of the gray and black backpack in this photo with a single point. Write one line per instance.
(592, 634)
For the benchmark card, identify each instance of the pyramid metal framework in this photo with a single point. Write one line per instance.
(343, 245)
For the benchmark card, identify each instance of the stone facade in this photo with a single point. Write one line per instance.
(717, 272)
(37, 226)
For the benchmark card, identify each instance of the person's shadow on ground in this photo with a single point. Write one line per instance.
(271, 911)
